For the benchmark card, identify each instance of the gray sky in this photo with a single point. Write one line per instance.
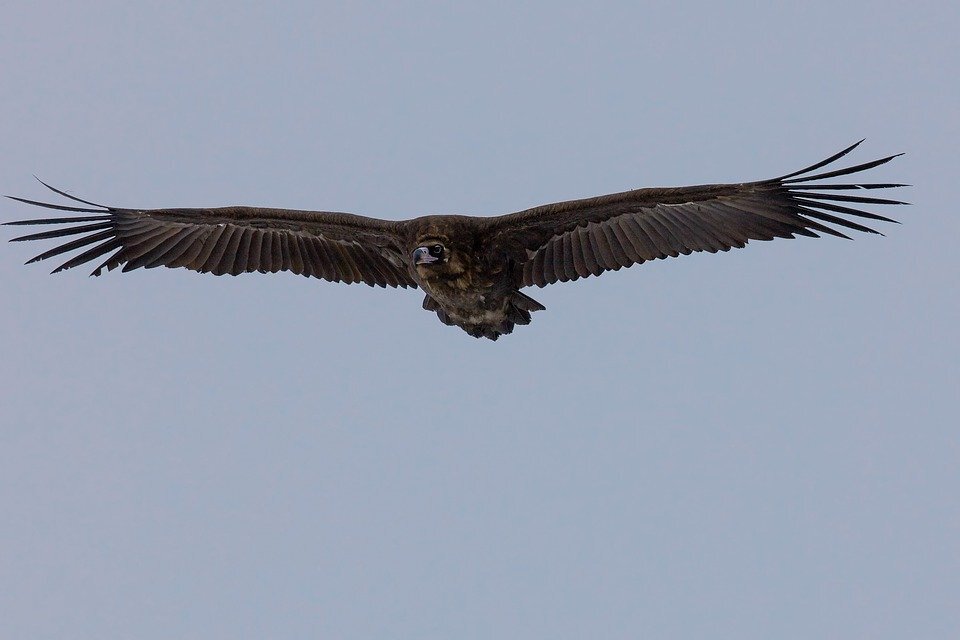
(758, 444)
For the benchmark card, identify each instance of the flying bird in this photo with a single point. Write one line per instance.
(472, 269)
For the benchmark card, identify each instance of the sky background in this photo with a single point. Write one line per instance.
(756, 444)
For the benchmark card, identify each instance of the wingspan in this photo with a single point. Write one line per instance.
(339, 247)
(570, 240)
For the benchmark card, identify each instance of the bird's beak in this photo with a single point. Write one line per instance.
(422, 256)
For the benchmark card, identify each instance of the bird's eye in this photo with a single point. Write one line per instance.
(436, 250)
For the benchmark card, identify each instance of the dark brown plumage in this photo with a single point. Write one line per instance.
(471, 268)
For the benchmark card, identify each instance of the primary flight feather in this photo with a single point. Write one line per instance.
(471, 268)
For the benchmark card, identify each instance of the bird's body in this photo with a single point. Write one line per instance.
(476, 287)
(470, 268)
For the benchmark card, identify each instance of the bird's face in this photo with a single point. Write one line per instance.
(431, 253)
(438, 259)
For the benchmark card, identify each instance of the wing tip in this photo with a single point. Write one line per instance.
(67, 195)
(799, 176)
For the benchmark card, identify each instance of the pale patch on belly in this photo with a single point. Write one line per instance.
(480, 316)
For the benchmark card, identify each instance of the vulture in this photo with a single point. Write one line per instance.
(472, 269)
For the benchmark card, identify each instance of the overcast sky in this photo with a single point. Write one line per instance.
(756, 444)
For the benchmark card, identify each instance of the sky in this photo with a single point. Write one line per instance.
(756, 444)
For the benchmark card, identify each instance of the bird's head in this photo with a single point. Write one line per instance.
(440, 259)
(431, 252)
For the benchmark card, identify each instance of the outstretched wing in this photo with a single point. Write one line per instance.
(339, 247)
(571, 240)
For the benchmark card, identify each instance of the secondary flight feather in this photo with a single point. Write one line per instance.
(471, 268)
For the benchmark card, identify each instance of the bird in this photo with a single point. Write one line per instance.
(471, 268)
